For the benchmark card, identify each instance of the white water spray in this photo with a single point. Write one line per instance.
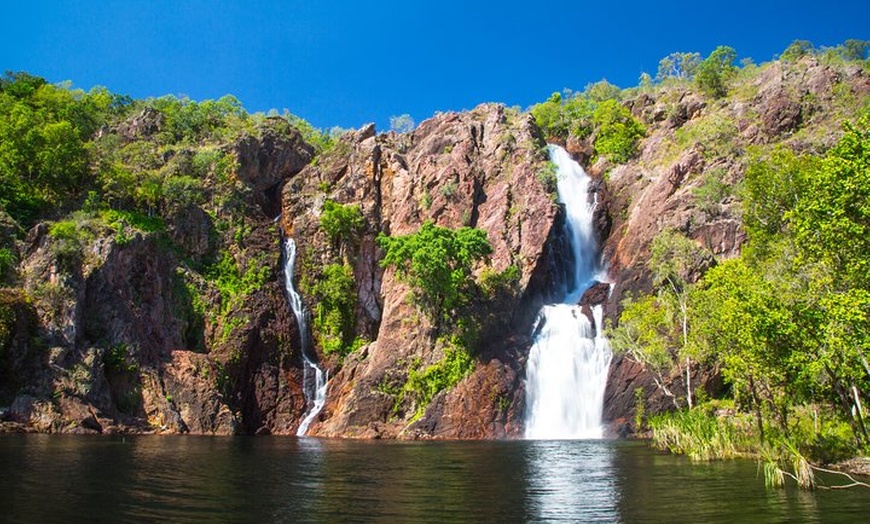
(314, 380)
(566, 373)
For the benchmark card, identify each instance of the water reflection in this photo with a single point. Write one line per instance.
(571, 481)
(48, 478)
(418, 482)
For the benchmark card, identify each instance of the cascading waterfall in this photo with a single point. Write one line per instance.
(568, 364)
(314, 380)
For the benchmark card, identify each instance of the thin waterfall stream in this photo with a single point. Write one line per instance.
(314, 379)
(566, 372)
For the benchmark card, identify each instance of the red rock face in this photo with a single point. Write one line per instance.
(118, 349)
(475, 169)
(658, 191)
(110, 340)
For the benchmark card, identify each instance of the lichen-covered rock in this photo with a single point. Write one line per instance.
(191, 385)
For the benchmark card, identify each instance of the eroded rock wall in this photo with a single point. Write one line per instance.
(479, 169)
(132, 333)
(690, 140)
(117, 330)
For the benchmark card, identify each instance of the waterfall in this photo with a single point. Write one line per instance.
(566, 372)
(314, 380)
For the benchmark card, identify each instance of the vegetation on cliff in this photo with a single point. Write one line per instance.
(116, 213)
(437, 263)
(786, 323)
(160, 177)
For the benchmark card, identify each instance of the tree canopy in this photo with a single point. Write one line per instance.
(437, 263)
(787, 322)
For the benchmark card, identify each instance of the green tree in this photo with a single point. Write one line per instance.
(743, 320)
(796, 50)
(855, 49)
(601, 91)
(715, 71)
(43, 153)
(681, 66)
(437, 263)
(773, 183)
(570, 115)
(675, 262)
(647, 333)
(341, 222)
(402, 123)
(832, 221)
(617, 131)
(645, 82)
(549, 117)
(790, 318)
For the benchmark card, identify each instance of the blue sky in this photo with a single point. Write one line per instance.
(347, 63)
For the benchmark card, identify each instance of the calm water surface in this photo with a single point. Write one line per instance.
(45, 478)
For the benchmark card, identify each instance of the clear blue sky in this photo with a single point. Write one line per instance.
(345, 63)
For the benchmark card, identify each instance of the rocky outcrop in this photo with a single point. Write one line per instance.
(186, 329)
(148, 122)
(483, 406)
(693, 144)
(120, 330)
(596, 295)
(627, 376)
(477, 169)
(267, 160)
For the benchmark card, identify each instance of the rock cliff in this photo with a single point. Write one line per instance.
(115, 329)
(481, 169)
(112, 326)
(687, 174)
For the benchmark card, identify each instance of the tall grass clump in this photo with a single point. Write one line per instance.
(698, 434)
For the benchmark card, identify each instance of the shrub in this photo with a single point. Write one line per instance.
(341, 222)
(233, 283)
(618, 131)
(7, 322)
(448, 189)
(126, 222)
(8, 260)
(423, 385)
(715, 135)
(204, 160)
(712, 191)
(183, 190)
(70, 237)
(796, 50)
(437, 263)
(494, 283)
(334, 313)
(548, 177)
